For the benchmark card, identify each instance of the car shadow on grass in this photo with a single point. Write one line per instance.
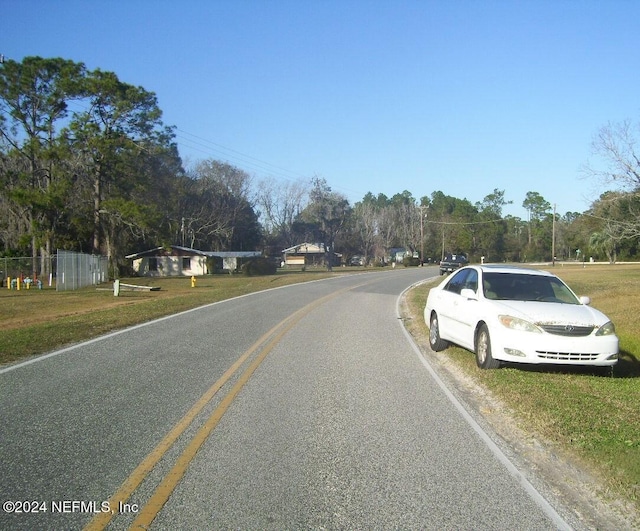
(628, 366)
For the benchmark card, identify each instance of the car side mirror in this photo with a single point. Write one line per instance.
(585, 300)
(469, 294)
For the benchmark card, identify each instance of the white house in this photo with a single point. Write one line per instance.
(183, 261)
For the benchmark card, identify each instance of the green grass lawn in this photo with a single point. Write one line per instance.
(594, 418)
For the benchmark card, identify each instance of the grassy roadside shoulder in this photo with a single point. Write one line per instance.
(592, 419)
(38, 321)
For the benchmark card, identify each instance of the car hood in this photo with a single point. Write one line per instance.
(552, 313)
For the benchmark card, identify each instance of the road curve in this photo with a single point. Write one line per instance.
(306, 406)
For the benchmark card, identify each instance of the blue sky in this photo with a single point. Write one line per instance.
(459, 96)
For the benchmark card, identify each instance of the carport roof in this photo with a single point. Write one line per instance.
(306, 248)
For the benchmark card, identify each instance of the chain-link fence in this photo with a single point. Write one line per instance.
(67, 269)
(40, 267)
(77, 270)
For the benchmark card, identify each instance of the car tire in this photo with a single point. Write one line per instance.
(435, 341)
(484, 359)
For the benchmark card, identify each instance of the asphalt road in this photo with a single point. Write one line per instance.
(329, 419)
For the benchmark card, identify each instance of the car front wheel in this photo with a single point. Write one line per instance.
(435, 341)
(484, 359)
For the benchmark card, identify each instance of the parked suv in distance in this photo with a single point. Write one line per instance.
(452, 262)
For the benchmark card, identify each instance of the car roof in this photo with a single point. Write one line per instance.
(513, 269)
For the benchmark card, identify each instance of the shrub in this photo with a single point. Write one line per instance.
(259, 266)
(411, 262)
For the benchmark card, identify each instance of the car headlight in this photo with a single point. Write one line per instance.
(607, 329)
(514, 323)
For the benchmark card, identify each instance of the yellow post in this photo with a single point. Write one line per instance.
(193, 282)
(8, 282)
(18, 283)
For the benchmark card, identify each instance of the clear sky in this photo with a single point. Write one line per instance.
(374, 96)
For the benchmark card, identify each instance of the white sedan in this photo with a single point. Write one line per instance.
(505, 313)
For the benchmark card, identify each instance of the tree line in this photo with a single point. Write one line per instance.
(87, 164)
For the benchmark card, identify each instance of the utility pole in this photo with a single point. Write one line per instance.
(422, 218)
(553, 237)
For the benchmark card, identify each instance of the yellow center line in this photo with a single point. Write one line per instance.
(162, 493)
(166, 487)
(142, 470)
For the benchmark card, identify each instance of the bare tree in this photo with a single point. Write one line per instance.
(207, 213)
(366, 223)
(387, 228)
(615, 146)
(215, 212)
(281, 204)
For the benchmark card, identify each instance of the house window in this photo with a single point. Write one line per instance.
(186, 262)
(153, 264)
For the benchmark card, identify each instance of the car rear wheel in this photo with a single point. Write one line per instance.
(435, 341)
(484, 359)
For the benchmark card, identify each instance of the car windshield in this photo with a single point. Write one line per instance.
(525, 287)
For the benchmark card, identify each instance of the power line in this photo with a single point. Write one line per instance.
(236, 155)
(464, 222)
(212, 149)
(208, 148)
(242, 160)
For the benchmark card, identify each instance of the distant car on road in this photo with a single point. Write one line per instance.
(452, 262)
(514, 314)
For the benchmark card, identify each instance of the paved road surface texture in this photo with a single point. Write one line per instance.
(305, 407)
